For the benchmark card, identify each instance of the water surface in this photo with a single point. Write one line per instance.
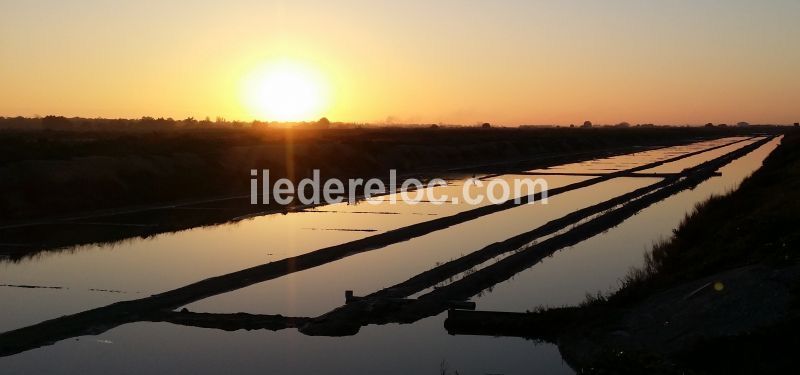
(92, 276)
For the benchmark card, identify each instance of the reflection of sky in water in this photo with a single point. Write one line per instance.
(383, 204)
(679, 165)
(621, 162)
(315, 291)
(141, 267)
(176, 259)
(598, 263)
(417, 348)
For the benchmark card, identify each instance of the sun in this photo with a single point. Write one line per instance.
(285, 91)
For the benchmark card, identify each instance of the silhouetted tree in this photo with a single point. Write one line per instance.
(486, 125)
(324, 123)
(587, 124)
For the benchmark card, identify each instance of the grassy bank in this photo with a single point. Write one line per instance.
(756, 223)
(720, 296)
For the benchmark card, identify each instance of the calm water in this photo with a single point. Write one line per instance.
(315, 291)
(599, 263)
(139, 267)
(621, 162)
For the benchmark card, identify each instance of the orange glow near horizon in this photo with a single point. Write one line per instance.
(507, 62)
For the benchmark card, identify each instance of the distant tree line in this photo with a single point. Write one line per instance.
(147, 123)
(62, 123)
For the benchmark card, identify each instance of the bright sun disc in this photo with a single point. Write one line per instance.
(285, 91)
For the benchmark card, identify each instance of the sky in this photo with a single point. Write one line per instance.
(447, 61)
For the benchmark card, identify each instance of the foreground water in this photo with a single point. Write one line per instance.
(140, 267)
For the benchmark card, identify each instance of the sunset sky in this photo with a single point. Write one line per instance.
(452, 61)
